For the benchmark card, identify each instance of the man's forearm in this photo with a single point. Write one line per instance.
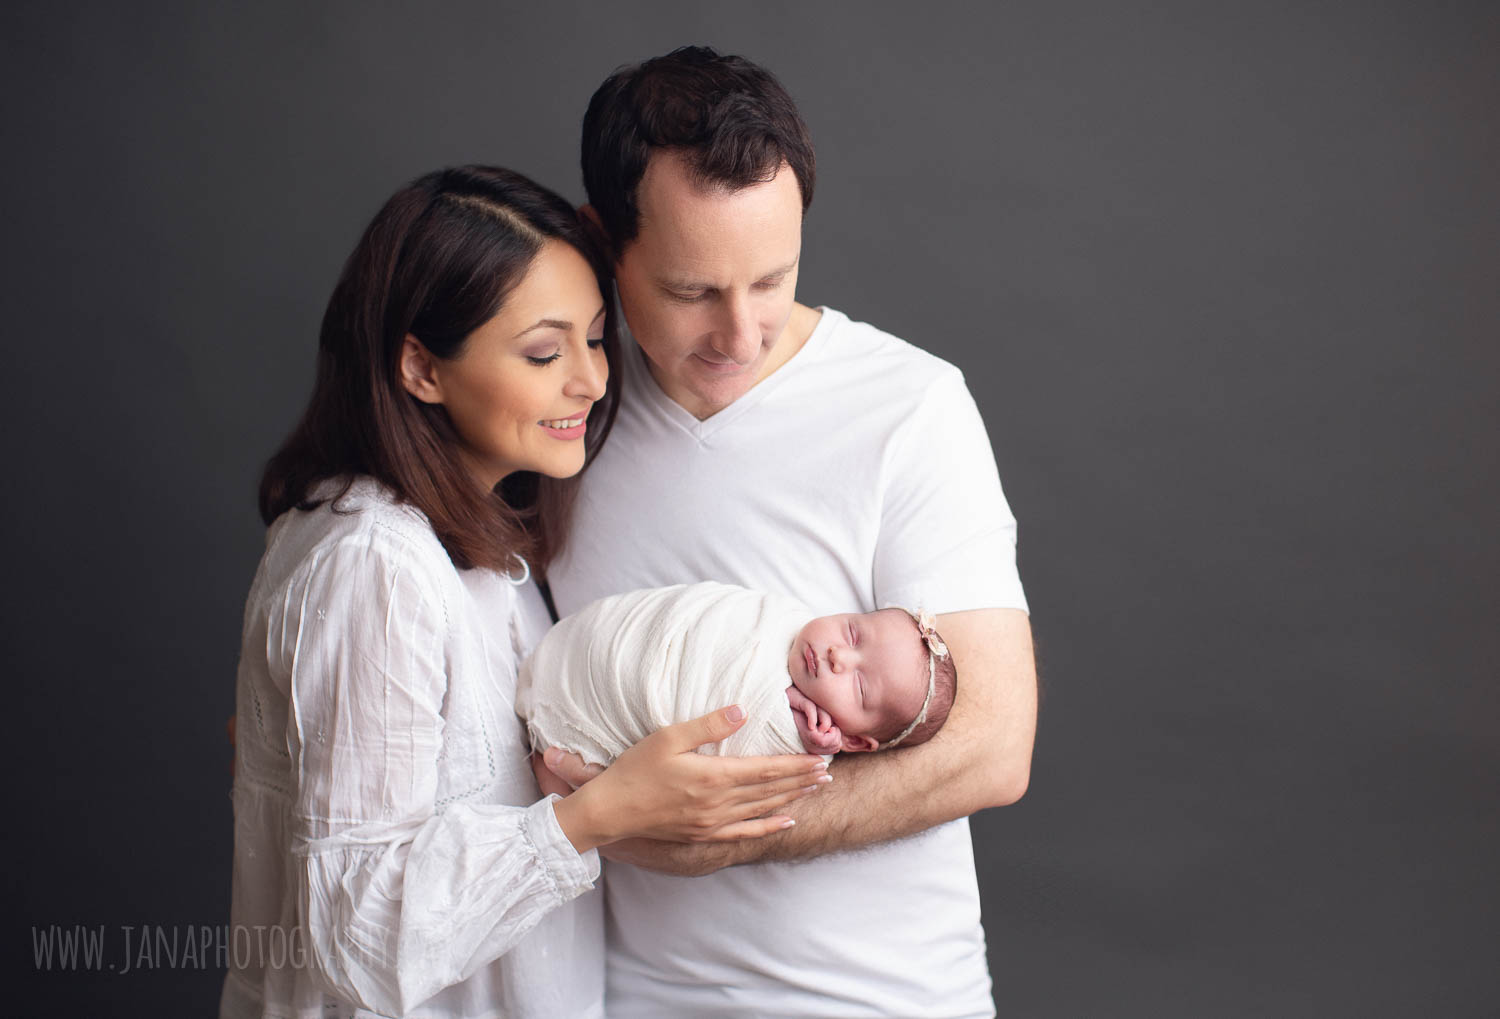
(980, 758)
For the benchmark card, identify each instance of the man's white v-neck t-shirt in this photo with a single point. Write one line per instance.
(857, 476)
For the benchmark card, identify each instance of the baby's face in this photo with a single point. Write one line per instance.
(868, 671)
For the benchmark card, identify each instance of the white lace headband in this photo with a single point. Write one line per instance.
(935, 649)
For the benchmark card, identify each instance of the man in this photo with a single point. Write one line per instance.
(767, 443)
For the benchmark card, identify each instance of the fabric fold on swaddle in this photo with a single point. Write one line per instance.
(622, 667)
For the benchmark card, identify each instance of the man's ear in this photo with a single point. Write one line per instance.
(419, 371)
(859, 744)
(594, 226)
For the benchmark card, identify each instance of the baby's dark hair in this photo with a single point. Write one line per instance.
(944, 690)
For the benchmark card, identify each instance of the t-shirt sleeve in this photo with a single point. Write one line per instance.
(947, 538)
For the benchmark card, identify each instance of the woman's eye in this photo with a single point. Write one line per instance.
(596, 342)
(539, 361)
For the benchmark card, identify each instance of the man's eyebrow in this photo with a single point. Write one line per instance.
(688, 283)
(556, 323)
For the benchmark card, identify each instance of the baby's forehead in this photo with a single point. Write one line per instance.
(898, 620)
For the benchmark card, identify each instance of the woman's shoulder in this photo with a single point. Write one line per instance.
(365, 527)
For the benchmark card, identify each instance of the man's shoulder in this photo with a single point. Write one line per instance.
(867, 360)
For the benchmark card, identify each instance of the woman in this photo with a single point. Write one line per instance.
(392, 851)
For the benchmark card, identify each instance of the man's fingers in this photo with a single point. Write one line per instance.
(710, 728)
(569, 767)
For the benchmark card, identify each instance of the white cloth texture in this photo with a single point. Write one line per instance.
(389, 833)
(858, 476)
(620, 668)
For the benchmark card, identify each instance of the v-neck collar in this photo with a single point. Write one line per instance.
(646, 385)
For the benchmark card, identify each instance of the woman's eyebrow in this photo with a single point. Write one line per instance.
(557, 323)
(546, 323)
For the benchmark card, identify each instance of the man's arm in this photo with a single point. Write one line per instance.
(980, 758)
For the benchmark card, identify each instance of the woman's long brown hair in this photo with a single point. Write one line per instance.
(437, 262)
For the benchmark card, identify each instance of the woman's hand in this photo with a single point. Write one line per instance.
(662, 789)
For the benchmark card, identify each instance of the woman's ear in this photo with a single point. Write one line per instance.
(859, 744)
(419, 371)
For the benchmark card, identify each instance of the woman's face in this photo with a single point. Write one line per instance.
(523, 383)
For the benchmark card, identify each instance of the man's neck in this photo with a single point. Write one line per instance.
(794, 336)
(799, 328)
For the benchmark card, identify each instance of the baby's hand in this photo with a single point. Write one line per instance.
(814, 725)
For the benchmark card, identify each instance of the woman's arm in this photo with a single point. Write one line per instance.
(397, 898)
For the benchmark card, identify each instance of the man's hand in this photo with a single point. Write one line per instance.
(559, 772)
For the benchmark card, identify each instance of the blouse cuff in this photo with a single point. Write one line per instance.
(570, 872)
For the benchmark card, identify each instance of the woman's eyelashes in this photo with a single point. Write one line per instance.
(541, 360)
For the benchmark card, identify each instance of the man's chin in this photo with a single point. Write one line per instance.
(714, 394)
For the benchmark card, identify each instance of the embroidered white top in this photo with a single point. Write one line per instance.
(392, 851)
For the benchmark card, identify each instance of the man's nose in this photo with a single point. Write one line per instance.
(738, 333)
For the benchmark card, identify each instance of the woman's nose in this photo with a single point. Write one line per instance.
(589, 376)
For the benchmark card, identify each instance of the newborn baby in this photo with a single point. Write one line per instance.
(611, 674)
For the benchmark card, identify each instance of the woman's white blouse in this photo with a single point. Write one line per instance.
(393, 854)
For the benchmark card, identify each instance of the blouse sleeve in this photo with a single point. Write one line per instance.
(396, 899)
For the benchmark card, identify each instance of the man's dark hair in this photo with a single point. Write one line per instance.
(732, 120)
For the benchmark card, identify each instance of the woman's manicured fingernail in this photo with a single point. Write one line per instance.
(788, 822)
(824, 779)
(734, 713)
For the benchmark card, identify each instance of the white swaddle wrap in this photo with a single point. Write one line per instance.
(622, 667)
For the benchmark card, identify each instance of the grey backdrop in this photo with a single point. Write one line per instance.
(1223, 283)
